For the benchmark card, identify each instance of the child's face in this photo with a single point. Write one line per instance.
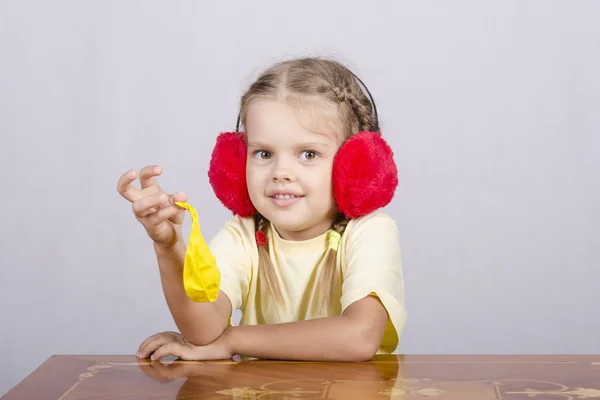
(289, 170)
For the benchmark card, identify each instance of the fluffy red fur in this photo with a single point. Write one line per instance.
(227, 173)
(365, 175)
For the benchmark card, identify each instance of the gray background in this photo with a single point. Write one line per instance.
(491, 108)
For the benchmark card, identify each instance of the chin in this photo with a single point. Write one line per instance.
(290, 223)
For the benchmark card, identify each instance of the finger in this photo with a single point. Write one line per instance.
(178, 218)
(125, 188)
(179, 196)
(147, 175)
(149, 204)
(171, 348)
(145, 343)
(152, 343)
(151, 346)
(162, 215)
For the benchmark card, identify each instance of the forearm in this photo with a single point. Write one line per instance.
(200, 323)
(325, 339)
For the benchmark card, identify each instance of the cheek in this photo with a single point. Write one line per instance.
(251, 177)
(256, 178)
(321, 180)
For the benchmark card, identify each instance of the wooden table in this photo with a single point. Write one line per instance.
(385, 377)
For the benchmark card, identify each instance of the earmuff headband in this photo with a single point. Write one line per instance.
(375, 115)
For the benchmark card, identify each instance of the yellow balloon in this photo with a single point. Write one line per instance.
(201, 277)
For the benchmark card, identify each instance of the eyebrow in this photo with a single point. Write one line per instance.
(256, 144)
(313, 144)
(301, 145)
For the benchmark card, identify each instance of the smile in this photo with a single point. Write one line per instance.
(284, 200)
(284, 196)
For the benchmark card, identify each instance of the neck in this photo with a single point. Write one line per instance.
(306, 234)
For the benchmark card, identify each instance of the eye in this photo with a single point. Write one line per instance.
(262, 155)
(309, 155)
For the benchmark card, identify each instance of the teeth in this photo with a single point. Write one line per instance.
(284, 196)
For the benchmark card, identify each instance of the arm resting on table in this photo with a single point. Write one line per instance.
(354, 336)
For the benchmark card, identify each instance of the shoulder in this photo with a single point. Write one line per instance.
(372, 236)
(375, 217)
(241, 224)
(376, 223)
(236, 229)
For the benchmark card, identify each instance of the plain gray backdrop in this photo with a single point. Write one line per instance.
(492, 109)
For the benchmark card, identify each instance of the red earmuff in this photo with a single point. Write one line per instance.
(365, 176)
(227, 173)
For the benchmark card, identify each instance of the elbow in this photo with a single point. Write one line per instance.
(199, 338)
(366, 344)
(364, 353)
(200, 334)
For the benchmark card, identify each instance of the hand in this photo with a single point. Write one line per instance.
(152, 207)
(171, 343)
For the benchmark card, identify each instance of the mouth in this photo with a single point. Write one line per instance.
(285, 196)
(284, 199)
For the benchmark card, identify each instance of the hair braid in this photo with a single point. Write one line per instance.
(328, 281)
(339, 225)
(360, 107)
(266, 271)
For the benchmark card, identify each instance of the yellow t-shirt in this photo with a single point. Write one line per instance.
(368, 262)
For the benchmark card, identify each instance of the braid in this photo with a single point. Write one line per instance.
(261, 223)
(339, 225)
(266, 271)
(326, 289)
(360, 107)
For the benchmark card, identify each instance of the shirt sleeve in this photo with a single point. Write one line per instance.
(230, 248)
(374, 267)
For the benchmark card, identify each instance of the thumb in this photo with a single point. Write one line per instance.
(179, 196)
(178, 218)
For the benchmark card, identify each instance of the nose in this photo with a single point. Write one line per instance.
(283, 172)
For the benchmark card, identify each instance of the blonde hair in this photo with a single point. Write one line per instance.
(298, 81)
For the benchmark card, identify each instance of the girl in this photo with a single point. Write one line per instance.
(312, 282)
